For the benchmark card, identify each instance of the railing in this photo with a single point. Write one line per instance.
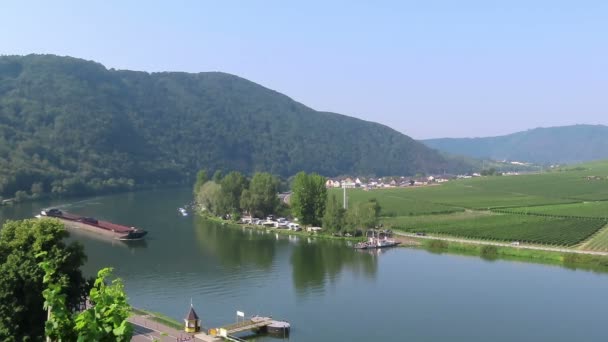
(234, 338)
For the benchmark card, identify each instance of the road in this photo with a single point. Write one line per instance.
(498, 244)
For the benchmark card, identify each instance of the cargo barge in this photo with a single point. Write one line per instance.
(109, 229)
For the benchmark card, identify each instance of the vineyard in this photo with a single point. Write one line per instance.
(563, 207)
(503, 227)
(575, 210)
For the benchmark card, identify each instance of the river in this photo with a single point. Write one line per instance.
(327, 290)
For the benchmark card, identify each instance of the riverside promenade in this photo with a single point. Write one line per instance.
(145, 330)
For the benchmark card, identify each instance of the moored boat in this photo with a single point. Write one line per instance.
(94, 225)
(374, 242)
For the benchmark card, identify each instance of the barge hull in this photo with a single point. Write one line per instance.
(98, 231)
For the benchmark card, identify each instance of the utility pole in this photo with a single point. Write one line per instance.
(344, 198)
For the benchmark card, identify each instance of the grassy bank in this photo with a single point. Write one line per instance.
(569, 260)
(158, 317)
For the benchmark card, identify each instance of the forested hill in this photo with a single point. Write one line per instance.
(72, 126)
(566, 144)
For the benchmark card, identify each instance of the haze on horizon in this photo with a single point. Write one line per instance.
(428, 69)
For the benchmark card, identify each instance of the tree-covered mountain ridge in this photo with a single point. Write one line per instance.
(564, 144)
(71, 126)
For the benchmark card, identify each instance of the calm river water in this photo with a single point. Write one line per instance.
(328, 291)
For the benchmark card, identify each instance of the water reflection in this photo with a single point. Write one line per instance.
(315, 264)
(234, 246)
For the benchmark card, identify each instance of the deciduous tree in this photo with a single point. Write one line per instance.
(22, 315)
(333, 220)
(308, 198)
(263, 194)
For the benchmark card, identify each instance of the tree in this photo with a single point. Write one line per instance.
(263, 194)
(308, 198)
(231, 188)
(208, 197)
(333, 220)
(246, 202)
(22, 315)
(217, 176)
(201, 178)
(105, 320)
(364, 215)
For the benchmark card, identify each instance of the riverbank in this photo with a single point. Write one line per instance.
(158, 317)
(233, 224)
(28, 198)
(572, 259)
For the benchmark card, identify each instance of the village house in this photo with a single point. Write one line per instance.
(348, 183)
(332, 183)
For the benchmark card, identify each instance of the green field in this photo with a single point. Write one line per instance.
(582, 210)
(599, 242)
(501, 227)
(566, 206)
(396, 202)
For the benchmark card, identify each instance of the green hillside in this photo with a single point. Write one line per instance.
(567, 144)
(70, 126)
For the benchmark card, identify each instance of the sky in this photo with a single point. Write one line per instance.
(426, 68)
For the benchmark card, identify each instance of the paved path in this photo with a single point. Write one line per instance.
(480, 242)
(146, 330)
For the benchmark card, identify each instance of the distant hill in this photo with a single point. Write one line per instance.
(567, 144)
(71, 126)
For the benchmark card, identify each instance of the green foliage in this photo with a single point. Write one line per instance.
(232, 187)
(308, 198)
(489, 252)
(59, 325)
(363, 215)
(208, 197)
(106, 320)
(217, 176)
(23, 245)
(333, 220)
(201, 178)
(263, 199)
(236, 193)
(78, 128)
(437, 244)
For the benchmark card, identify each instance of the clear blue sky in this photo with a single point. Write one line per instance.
(426, 68)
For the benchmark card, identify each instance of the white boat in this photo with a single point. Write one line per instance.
(376, 242)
